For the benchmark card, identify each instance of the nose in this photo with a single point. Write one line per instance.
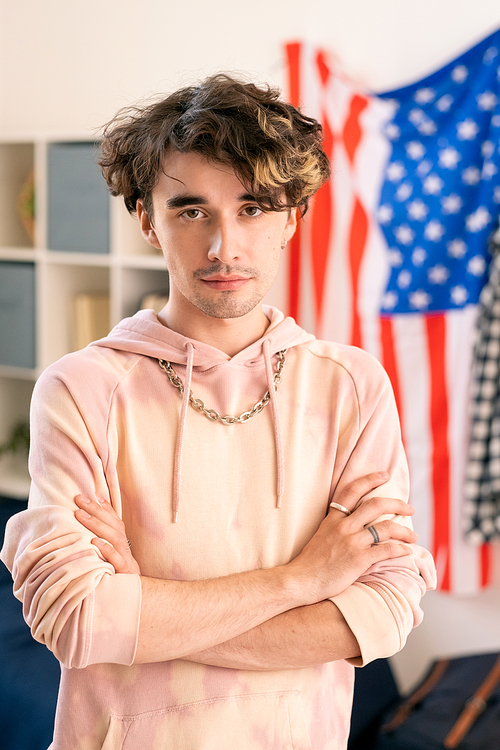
(224, 242)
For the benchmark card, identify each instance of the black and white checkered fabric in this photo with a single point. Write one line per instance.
(482, 487)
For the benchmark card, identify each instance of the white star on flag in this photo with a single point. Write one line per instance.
(417, 116)
(487, 101)
(419, 300)
(438, 274)
(456, 248)
(392, 131)
(396, 171)
(404, 191)
(433, 184)
(467, 129)
(415, 150)
(404, 234)
(451, 204)
(417, 210)
(487, 149)
(459, 73)
(434, 230)
(404, 279)
(496, 194)
(459, 295)
(385, 213)
(471, 176)
(389, 300)
(424, 96)
(449, 158)
(489, 170)
(418, 257)
(490, 55)
(395, 257)
(477, 265)
(444, 103)
(477, 220)
(428, 127)
(424, 167)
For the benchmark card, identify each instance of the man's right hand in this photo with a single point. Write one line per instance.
(346, 546)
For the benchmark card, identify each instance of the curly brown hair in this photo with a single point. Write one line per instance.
(274, 149)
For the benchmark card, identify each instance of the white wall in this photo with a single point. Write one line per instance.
(67, 65)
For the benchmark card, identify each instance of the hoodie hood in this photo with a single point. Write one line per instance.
(144, 334)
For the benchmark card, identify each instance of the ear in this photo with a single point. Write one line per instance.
(147, 229)
(290, 226)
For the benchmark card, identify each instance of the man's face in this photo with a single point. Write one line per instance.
(222, 251)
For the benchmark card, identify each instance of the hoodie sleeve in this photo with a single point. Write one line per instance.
(72, 599)
(383, 606)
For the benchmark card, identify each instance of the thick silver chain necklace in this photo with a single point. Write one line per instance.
(213, 415)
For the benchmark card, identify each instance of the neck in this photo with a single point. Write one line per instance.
(229, 335)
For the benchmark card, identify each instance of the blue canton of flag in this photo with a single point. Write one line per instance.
(441, 195)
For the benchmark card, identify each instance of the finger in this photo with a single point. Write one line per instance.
(103, 529)
(389, 531)
(100, 516)
(111, 555)
(374, 508)
(388, 551)
(101, 509)
(359, 487)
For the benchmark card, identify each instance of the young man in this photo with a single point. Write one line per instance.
(218, 528)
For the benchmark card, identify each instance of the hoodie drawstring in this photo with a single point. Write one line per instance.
(180, 434)
(280, 461)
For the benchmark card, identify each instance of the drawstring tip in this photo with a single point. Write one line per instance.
(175, 516)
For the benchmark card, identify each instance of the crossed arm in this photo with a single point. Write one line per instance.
(262, 619)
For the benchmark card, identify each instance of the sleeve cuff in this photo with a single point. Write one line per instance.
(115, 620)
(373, 623)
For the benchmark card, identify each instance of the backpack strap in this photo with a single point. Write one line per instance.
(418, 695)
(473, 708)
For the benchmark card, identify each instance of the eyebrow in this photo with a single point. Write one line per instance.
(181, 201)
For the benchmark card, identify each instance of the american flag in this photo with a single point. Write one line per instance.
(393, 254)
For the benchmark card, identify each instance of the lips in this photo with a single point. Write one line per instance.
(226, 283)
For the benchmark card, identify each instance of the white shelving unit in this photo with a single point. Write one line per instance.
(129, 270)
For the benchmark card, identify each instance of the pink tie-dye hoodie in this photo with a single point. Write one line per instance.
(201, 499)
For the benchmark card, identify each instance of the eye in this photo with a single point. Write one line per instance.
(192, 213)
(252, 210)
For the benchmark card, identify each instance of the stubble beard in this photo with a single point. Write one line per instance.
(227, 305)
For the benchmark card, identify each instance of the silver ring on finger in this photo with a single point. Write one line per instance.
(373, 531)
(337, 506)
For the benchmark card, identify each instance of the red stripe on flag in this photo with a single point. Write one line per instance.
(323, 69)
(321, 224)
(292, 52)
(389, 360)
(357, 241)
(352, 131)
(294, 273)
(436, 341)
(485, 565)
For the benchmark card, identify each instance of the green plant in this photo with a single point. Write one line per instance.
(18, 440)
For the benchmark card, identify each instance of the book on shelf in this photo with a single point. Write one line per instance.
(26, 205)
(154, 301)
(17, 314)
(91, 318)
(77, 199)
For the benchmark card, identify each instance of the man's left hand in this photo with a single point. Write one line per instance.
(111, 538)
